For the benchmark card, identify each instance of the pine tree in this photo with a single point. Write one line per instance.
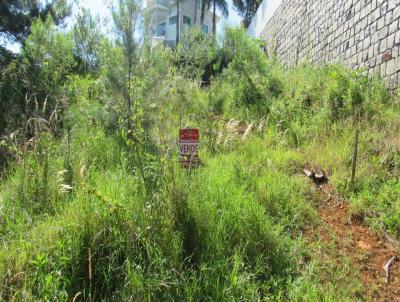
(16, 16)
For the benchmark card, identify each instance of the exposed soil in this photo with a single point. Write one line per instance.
(366, 251)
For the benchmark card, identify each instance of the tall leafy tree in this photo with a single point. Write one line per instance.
(128, 21)
(47, 56)
(87, 36)
(246, 9)
(16, 16)
(36, 78)
(6, 56)
(126, 17)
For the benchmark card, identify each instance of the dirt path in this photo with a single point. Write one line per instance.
(353, 240)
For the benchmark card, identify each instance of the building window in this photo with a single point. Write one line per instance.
(205, 28)
(187, 21)
(161, 28)
(172, 20)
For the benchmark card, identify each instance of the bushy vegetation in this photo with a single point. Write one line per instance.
(94, 205)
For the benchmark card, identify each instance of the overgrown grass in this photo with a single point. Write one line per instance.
(82, 216)
(226, 231)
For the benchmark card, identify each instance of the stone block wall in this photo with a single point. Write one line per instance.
(361, 33)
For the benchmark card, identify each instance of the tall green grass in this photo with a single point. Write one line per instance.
(226, 231)
(80, 218)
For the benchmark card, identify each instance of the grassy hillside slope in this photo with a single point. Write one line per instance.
(88, 213)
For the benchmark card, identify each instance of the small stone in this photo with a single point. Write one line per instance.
(387, 56)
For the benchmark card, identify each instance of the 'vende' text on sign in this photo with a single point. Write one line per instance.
(189, 147)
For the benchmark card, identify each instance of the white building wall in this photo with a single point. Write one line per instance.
(208, 21)
(187, 8)
(171, 29)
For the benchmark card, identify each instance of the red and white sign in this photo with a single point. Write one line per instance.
(189, 147)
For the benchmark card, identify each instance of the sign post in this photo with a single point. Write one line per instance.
(353, 167)
(189, 147)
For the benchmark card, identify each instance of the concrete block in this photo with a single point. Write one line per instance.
(396, 12)
(382, 45)
(390, 41)
(397, 38)
(390, 67)
(382, 69)
(383, 32)
(391, 4)
(380, 23)
(367, 42)
(371, 52)
(397, 64)
(372, 62)
(375, 38)
(388, 17)
(393, 27)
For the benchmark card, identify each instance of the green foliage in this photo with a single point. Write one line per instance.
(31, 85)
(126, 17)
(250, 81)
(194, 52)
(190, 234)
(246, 9)
(87, 36)
(47, 58)
(95, 205)
(17, 16)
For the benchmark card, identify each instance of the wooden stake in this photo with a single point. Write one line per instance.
(353, 170)
(90, 275)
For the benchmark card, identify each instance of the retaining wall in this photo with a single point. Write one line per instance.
(361, 33)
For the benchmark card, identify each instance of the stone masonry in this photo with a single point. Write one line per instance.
(361, 33)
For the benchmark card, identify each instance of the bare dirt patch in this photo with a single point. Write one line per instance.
(353, 241)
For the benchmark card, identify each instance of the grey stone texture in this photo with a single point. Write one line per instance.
(360, 33)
